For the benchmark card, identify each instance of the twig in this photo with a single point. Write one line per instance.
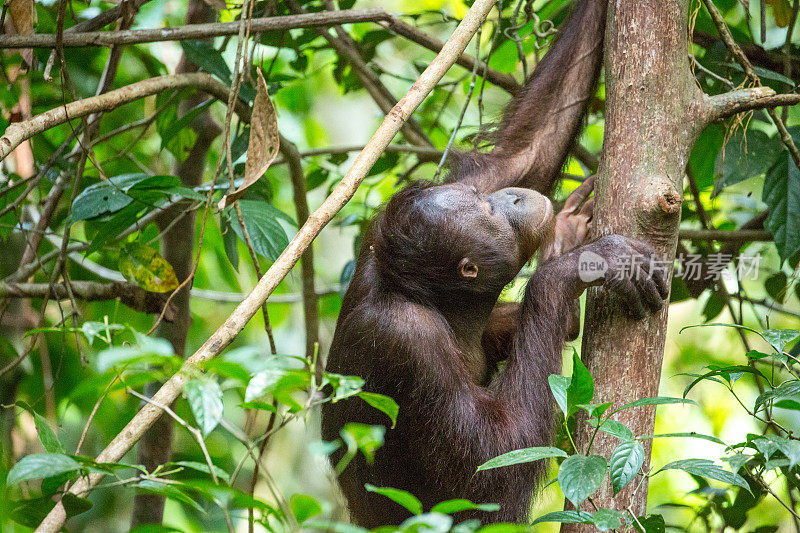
(341, 194)
(741, 235)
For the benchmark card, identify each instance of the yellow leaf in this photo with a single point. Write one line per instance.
(782, 11)
(264, 141)
(144, 266)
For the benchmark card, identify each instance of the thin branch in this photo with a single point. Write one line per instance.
(341, 194)
(733, 102)
(129, 294)
(192, 31)
(740, 236)
(20, 131)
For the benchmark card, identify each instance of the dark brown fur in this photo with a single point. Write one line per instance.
(432, 341)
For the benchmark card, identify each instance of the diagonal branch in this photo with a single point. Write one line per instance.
(341, 194)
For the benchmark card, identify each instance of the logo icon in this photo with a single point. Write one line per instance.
(591, 266)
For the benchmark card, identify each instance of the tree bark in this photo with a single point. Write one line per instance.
(655, 113)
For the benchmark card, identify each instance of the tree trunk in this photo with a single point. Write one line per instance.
(655, 113)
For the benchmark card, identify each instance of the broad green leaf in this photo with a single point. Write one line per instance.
(304, 507)
(595, 410)
(581, 387)
(525, 455)
(173, 136)
(41, 465)
(382, 403)
(776, 286)
(650, 524)
(208, 58)
(558, 386)
(566, 517)
(47, 436)
(580, 476)
(786, 391)
(657, 400)
(263, 382)
(458, 505)
(626, 460)
(613, 428)
(144, 266)
(745, 156)
(755, 355)
(706, 468)
(402, 497)
(261, 220)
(779, 338)
(607, 519)
(205, 400)
(105, 197)
(781, 193)
(789, 448)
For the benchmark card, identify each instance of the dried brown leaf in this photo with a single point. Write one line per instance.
(23, 18)
(264, 141)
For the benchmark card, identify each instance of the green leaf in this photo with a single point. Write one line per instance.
(613, 428)
(626, 460)
(344, 386)
(595, 410)
(688, 434)
(144, 266)
(607, 519)
(382, 403)
(525, 455)
(657, 400)
(650, 524)
(402, 497)
(262, 383)
(786, 391)
(47, 436)
(779, 338)
(207, 58)
(776, 286)
(205, 400)
(781, 193)
(304, 507)
(41, 465)
(580, 476)
(558, 386)
(581, 387)
(566, 517)
(261, 220)
(746, 155)
(727, 372)
(458, 505)
(105, 197)
(706, 468)
(789, 448)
